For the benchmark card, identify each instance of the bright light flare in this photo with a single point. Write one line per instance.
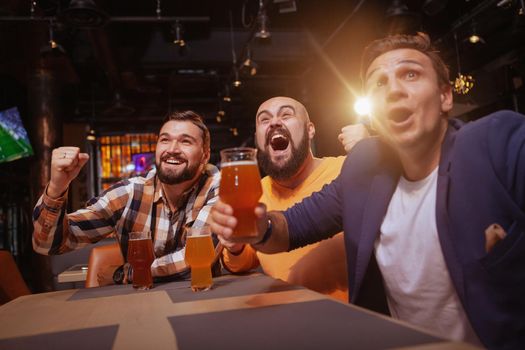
(362, 106)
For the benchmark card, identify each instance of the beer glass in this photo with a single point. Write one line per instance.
(140, 256)
(241, 187)
(199, 256)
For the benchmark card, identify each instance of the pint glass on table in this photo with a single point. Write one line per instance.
(140, 256)
(241, 187)
(199, 256)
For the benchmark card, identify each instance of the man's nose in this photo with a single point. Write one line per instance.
(395, 90)
(276, 122)
(174, 147)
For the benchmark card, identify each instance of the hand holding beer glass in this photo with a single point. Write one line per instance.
(241, 188)
(199, 256)
(140, 256)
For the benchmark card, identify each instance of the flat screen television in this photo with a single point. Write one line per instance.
(14, 142)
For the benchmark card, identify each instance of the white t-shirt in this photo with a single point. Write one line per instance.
(418, 285)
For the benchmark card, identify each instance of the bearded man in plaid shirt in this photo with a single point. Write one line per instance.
(178, 194)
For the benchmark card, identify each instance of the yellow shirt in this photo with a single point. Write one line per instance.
(320, 266)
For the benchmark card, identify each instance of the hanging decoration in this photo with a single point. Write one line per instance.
(463, 83)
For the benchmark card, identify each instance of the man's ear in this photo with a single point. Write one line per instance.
(205, 157)
(447, 98)
(311, 130)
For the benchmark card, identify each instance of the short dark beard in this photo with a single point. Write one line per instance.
(169, 178)
(292, 166)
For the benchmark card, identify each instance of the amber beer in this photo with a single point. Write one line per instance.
(199, 256)
(140, 256)
(241, 188)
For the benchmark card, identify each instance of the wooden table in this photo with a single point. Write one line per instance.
(240, 312)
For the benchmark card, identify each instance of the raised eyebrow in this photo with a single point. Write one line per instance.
(264, 111)
(286, 106)
(409, 62)
(165, 134)
(188, 136)
(370, 73)
(397, 64)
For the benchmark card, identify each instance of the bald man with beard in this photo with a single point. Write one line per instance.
(284, 134)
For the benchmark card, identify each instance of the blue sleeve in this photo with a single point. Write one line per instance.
(506, 144)
(316, 217)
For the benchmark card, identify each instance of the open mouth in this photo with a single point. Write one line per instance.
(279, 142)
(173, 160)
(278, 139)
(399, 115)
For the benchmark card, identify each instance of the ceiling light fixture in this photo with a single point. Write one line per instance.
(474, 37)
(226, 97)
(399, 19)
(91, 135)
(54, 47)
(118, 106)
(220, 115)
(433, 7)
(52, 43)
(262, 23)
(249, 67)
(236, 81)
(84, 14)
(177, 32)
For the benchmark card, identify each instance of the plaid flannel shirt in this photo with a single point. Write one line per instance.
(135, 204)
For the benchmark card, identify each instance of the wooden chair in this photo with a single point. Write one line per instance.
(101, 258)
(12, 285)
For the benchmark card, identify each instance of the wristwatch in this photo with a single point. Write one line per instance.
(118, 275)
(267, 233)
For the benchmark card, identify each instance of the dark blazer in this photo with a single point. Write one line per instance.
(481, 181)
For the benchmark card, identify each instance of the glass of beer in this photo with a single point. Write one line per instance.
(199, 256)
(241, 187)
(140, 256)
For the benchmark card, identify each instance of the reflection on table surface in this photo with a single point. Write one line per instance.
(240, 312)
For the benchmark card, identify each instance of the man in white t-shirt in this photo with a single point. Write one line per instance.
(433, 211)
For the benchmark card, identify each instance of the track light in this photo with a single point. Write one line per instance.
(91, 135)
(249, 67)
(262, 23)
(54, 47)
(400, 19)
(84, 14)
(177, 33)
(236, 81)
(119, 106)
(226, 97)
(433, 7)
(220, 115)
(474, 37)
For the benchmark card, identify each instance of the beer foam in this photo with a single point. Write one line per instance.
(239, 162)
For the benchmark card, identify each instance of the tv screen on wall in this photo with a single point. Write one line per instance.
(14, 142)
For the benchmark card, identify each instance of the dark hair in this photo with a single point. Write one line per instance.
(194, 118)
(420, 42)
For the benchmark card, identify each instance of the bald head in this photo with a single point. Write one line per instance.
(283, 132)
(275, 105)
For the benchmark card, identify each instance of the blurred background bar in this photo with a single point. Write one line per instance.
(102, 75)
